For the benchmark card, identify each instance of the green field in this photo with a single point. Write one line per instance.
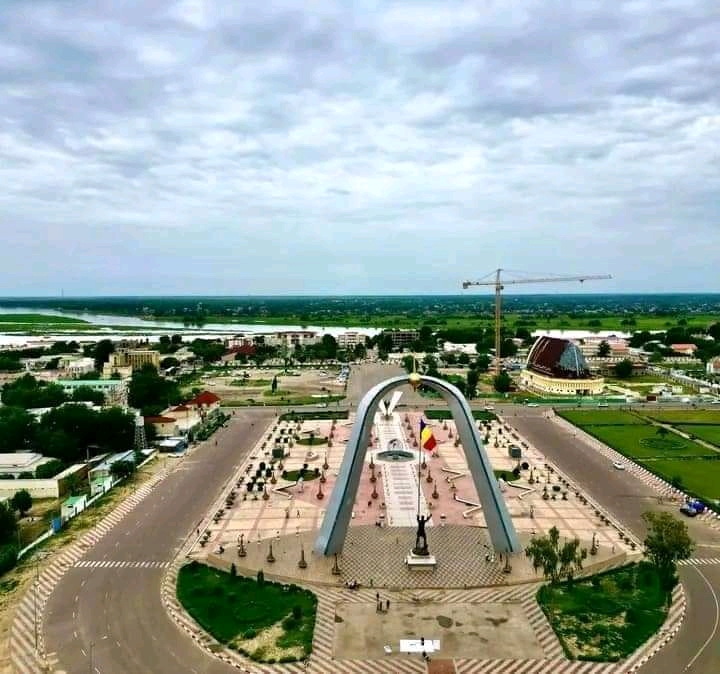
(643, 442)
(685, 416)
(709, 434)
(235, 610)
(668, 455)
(607, 617)
(34, 320)
(601, 418)
(699, 476)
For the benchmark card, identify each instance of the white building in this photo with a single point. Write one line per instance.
(115, 390)
(451, 347)
(350, 339)
(76, 367)
(713, 366)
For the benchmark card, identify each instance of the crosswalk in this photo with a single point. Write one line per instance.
(26, 652)
(105, 564)
(699, 561)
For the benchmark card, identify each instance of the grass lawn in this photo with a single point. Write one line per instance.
(268, 621)
(314, 441)
(294, 475)
(707, 433)
(642, 442)
(607, 617)
(441, 415)
(685, 416)
(606, 417)
(700, 476)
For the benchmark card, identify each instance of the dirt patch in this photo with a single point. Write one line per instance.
(265, 647)
(465, 630)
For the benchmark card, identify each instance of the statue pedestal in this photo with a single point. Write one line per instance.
(417, 562)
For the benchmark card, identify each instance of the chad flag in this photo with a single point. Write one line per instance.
(427, 439)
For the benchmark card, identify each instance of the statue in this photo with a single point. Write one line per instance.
(421, 535)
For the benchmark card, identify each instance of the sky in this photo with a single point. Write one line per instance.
(312, 146)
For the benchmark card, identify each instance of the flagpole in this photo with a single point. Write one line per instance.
(420, 449)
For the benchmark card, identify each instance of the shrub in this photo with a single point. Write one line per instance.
(233, 569)
(8, 557)
(525, 465)
(260, 577)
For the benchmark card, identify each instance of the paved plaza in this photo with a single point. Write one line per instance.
(286, 513)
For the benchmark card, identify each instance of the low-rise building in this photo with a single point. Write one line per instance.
(713, 366)
(684, 349)
(72, 506)
(102, 470)
(350, 339)
(19, 463)
(402, 338)
(114, 390)
(205, 403)
(164, 426)
(74, 367)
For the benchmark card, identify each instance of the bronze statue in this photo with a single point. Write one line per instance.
(421, 535)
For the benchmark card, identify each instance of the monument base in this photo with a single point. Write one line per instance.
(420, 562)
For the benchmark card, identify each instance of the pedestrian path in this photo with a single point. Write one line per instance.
(26, 655)
(106, 564)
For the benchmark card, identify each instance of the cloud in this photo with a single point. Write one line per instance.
(292, 146)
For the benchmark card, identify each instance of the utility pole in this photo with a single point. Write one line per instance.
(498, 283)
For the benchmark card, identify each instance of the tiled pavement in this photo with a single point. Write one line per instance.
(25, 657)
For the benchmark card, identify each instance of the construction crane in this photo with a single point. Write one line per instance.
(499, 284)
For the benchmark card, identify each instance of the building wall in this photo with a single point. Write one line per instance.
(542, 384)
(38, 488)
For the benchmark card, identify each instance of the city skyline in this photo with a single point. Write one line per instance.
(209, 148)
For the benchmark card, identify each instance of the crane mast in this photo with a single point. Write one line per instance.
(499, 284)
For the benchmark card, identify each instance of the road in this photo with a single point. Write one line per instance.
(119, 610)
(696, 648)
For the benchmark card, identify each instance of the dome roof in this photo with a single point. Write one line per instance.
(558, 358)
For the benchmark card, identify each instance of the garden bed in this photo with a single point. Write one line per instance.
(268, 622)
(606, 617)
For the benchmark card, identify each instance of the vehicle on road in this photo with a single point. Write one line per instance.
(618, 466)
(533, 405)
(688, 511)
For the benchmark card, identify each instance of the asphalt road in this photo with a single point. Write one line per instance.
(696, 648)
(120, 609)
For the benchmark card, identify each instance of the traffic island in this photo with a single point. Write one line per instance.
(264, 621)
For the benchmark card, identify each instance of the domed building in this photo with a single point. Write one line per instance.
(557, 366)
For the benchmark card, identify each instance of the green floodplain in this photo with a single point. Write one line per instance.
(450, 312)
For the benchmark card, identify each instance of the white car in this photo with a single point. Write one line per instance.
(533, 405)
(618, 466)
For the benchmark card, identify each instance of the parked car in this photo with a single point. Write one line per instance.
(618, 466)
(688, 510)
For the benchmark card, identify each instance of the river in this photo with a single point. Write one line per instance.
(132, 327)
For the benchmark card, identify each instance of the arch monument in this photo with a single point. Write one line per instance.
(333, 530)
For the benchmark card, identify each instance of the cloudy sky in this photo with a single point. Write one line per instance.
(315, 146)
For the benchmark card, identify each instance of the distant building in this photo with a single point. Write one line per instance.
(684, 349)
(164, 426)
(76, 367)
(130, 359)
(205, 403)
(557, 366)
(350, 339)
(451, 347)
(402, 338)
(291, 339)
(713, 366)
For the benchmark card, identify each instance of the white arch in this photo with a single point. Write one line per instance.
(331, 536)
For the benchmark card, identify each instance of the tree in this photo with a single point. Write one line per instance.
(169, 361)
(329, 347)
(667, 541)
(18, 429)
(508, 348)
(464, 359)
(482, 362)
(122, 469)
(88, 394)
(151, 393)
(502, 382)
(472, 382)
(8, 524)
(656, 357)
(603, 350)
(27, 392)
(101, 353)
(556, 561)
(359, 351)
(624, 369)
(408, 362)
(274, 385)
(21, 501)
